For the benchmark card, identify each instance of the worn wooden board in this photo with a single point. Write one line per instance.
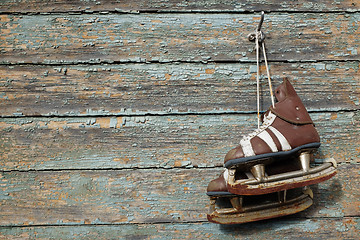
(141, 196)
(150, 141)
(59, 39)
(100, 139)
(137, 89)
(37, 6)
(286, 228)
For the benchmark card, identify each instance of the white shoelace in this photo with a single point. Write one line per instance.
(259, 38)
(268, 120)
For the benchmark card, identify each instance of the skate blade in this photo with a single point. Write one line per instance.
(279, 182)
(261, 211)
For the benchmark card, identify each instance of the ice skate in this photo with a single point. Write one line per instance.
(268, 174)
(278, 154)
(228, 208)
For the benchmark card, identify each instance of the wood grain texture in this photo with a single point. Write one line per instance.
(151, 141)
(72, 39)
(115, 115)
(142, 196)
(284, 228)
(137, 89)
(38, 6)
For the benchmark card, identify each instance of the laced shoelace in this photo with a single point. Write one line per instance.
(267, 121)
(259, 39)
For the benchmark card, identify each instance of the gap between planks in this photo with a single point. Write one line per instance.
(204, 62)
(137, 12)
(219, 167)
(174, 114)
(114, 169)
(289, 218)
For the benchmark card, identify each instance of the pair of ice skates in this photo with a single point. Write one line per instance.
(268, 174)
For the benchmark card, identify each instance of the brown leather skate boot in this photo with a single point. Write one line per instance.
(286, 130)
(277, 156)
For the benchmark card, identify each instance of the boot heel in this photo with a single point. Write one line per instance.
(237, 202)
(212, 204)
(305, 159)
(282, 196)
(258, 171)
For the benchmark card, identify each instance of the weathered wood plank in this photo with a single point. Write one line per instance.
(101, 114)
(36, 6)
(151, 141)
(133, 89)
(175, 37)
(283, 228)
(141, 196)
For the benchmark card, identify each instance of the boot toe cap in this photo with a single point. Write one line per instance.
(217, 185)
(234, 154)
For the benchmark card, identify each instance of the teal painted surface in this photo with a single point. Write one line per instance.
(142, 196)
(209, 6)
(113, 123)
(151, 141)
(124, 38)
(138, 89)
(284, 228)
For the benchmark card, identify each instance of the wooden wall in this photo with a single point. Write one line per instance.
(116, 115)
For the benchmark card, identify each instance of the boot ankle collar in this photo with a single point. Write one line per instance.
(292, 110)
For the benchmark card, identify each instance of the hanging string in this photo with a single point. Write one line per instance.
(268, 75)
(257, 78)
(259, 37)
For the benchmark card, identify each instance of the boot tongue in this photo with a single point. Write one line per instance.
(282, 91)
(289, 106)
